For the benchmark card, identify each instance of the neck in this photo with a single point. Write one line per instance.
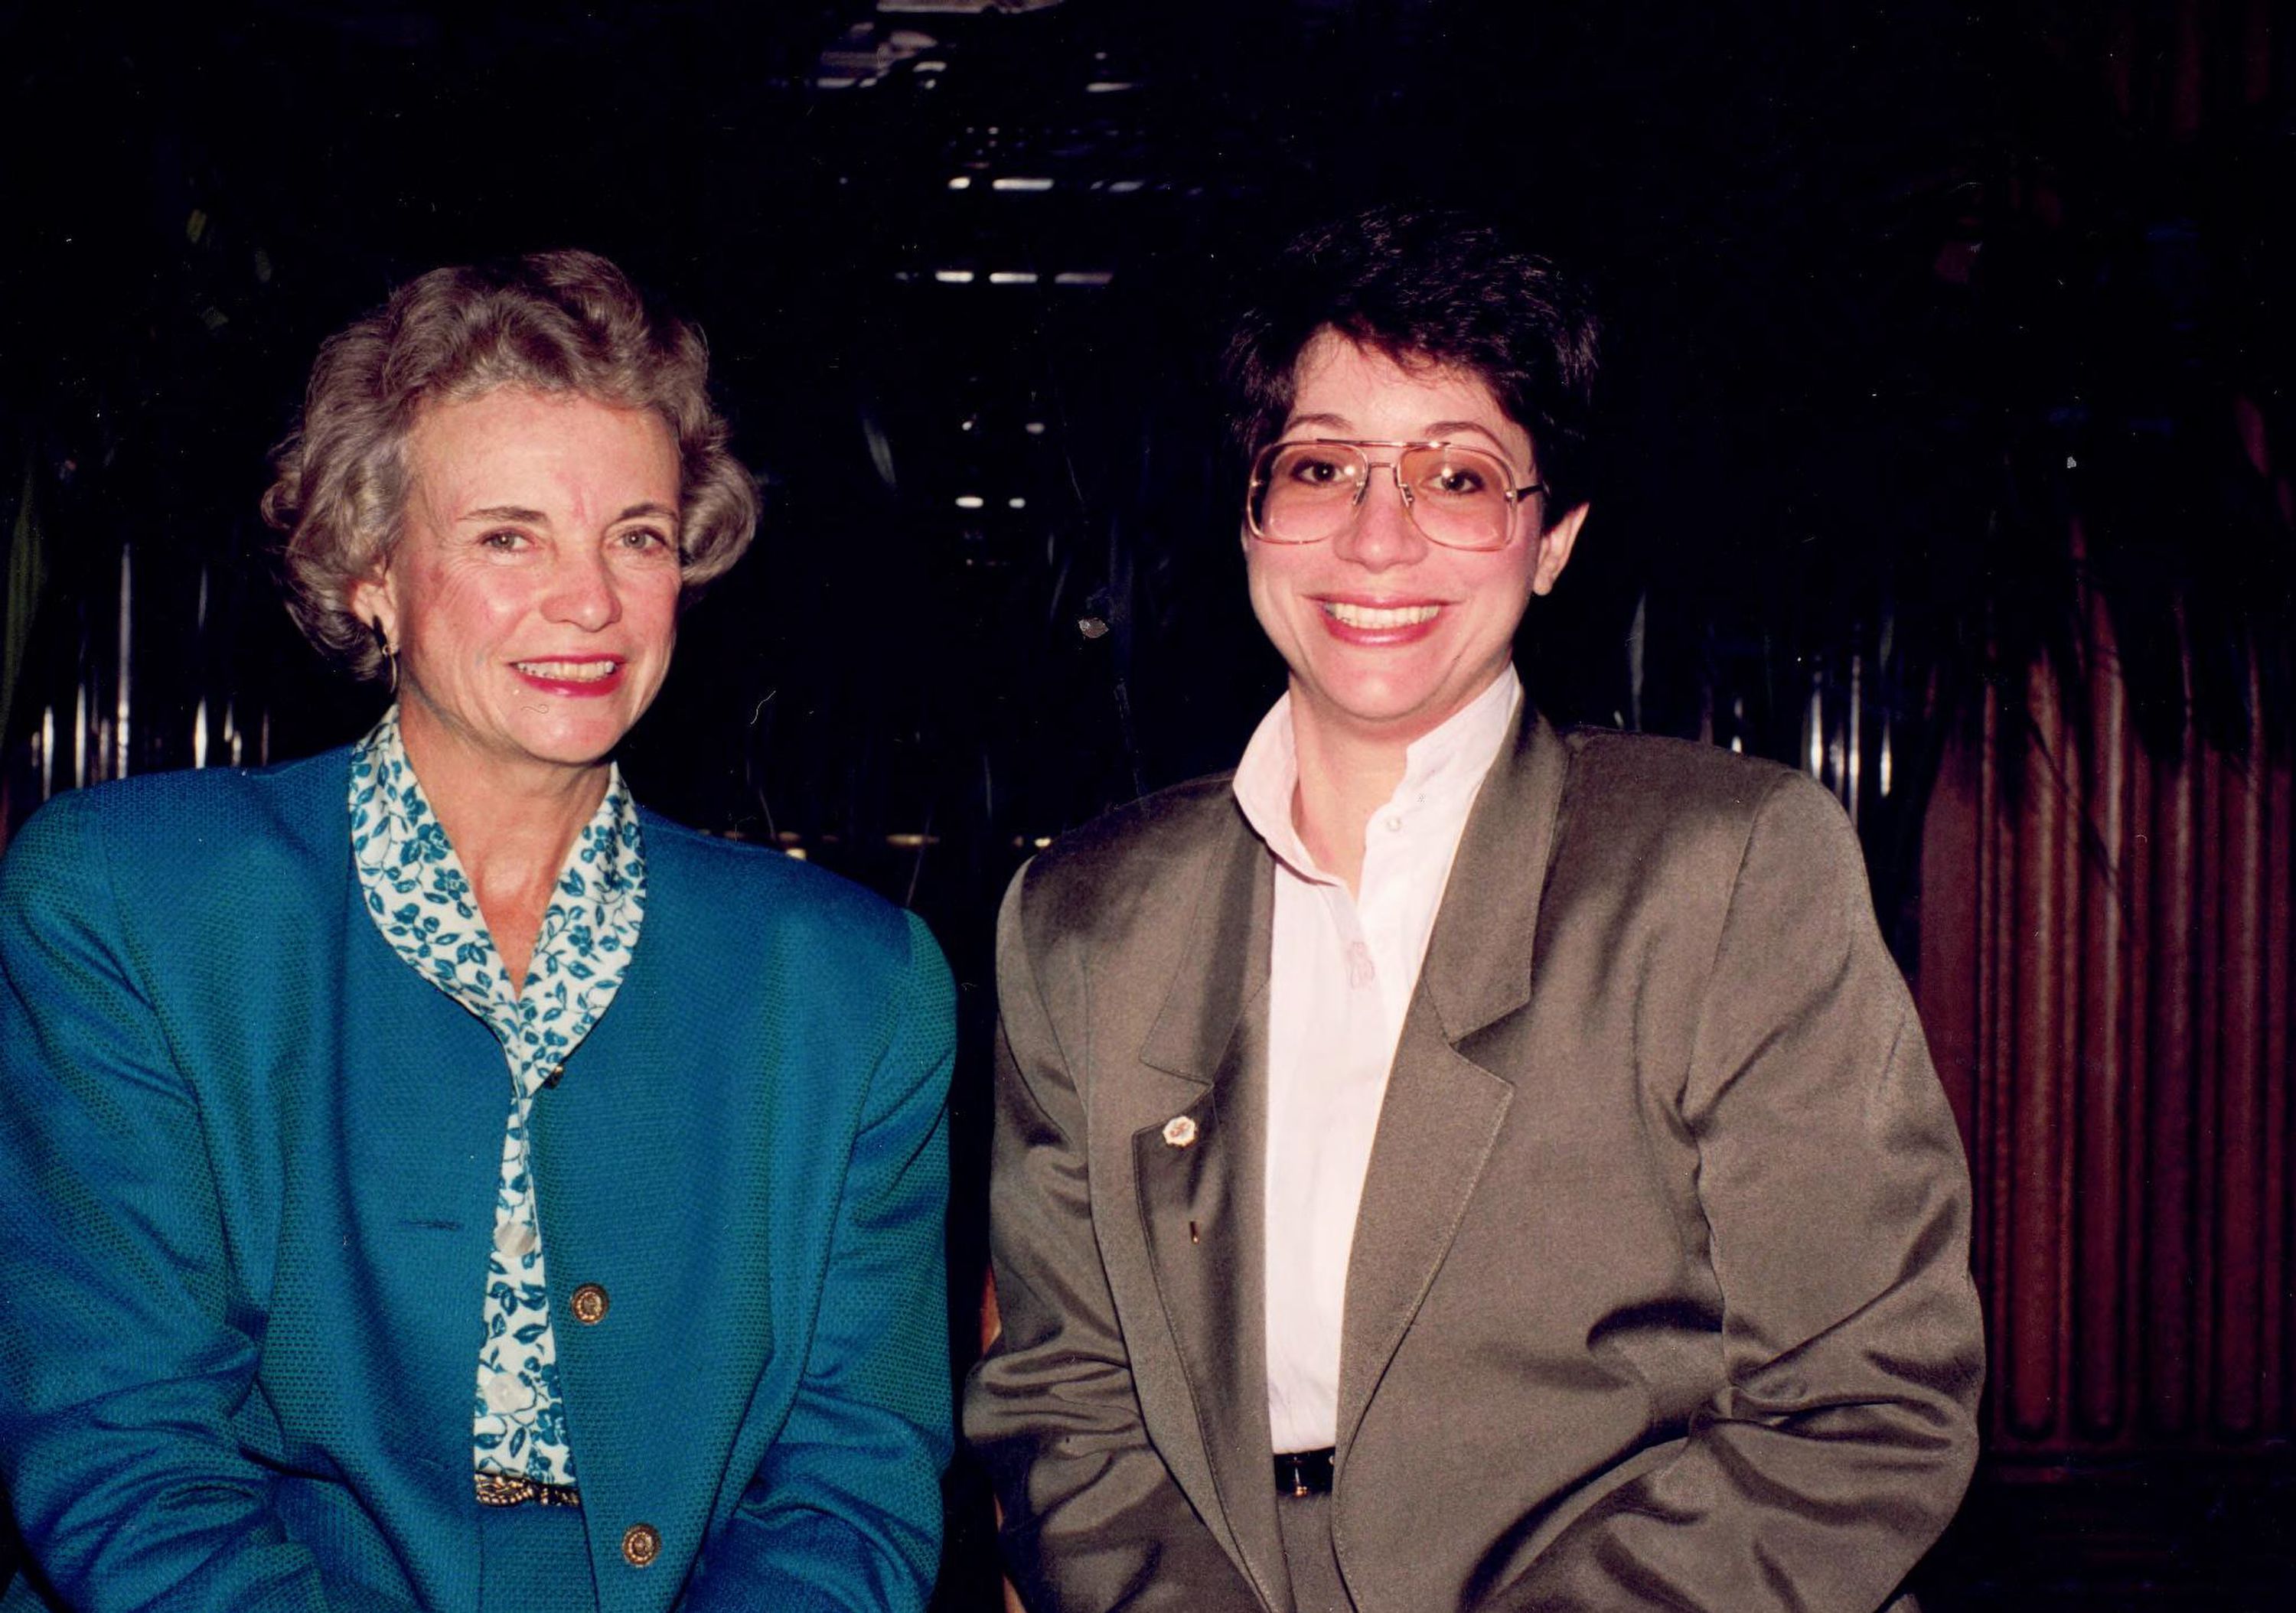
(511, 827)
(1345, 776)
(1348, 772)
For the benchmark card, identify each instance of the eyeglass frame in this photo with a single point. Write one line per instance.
(1394, 468)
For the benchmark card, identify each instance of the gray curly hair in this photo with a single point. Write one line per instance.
(555, 321)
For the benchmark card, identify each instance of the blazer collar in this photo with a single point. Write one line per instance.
(1479, 958)
(1440, 1120)
(1447, 1095)
(1200, 1177)
(1224, 965)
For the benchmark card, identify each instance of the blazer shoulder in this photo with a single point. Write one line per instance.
(1651, 774)
(1136, 842)
(1644, 800)
(235, 823)
(763, 891)
(208, 802)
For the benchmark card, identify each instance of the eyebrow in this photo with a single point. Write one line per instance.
(1435, 431)
(1444, 430)
(536, 518)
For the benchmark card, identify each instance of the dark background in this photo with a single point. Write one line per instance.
(1940, 333)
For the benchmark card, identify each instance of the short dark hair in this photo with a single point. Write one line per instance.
(557, 323)
(1429, 287)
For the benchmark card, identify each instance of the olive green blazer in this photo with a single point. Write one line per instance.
(1659, 1296)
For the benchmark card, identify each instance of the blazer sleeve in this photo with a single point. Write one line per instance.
(845, 1513)
(1091, 1518)
(1837, 1201)
(122, 1357)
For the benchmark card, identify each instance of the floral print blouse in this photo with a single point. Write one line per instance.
(421, 901)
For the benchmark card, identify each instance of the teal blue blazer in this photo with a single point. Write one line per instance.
(248, 1168)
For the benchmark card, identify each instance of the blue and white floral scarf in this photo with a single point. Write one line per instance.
(421, 901)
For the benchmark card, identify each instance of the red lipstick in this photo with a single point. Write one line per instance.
(596, 675)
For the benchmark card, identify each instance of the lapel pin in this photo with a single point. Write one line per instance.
(1180, 1131)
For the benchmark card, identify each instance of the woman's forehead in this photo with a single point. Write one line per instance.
(1356, 388)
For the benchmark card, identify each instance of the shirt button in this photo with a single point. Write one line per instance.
(1361, 971)
(589, 1303)
(641, 1544)
(1395, 824)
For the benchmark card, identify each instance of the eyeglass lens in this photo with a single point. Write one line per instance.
(1307, 492)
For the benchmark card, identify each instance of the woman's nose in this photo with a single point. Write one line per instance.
(582, 592)
(1382, 533)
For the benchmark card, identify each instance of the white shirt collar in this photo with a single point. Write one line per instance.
(1440, 766)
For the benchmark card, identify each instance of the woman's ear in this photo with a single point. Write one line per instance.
(1554, 546)
(374, 600)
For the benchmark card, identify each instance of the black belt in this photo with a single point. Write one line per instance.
(1304, 1472)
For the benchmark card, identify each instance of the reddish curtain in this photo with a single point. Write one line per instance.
(2106, 975)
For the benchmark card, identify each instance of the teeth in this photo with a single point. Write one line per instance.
(1370, 615)
(568, 672)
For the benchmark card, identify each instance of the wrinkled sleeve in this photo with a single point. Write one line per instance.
(1092, 1518)
(120, 1365)
(845, 1513)
(1837, 1199)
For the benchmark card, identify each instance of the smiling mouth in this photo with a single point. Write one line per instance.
(1373, 616)
(570, 672)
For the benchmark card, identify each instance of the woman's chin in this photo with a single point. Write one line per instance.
(575, 744)
(532, 732)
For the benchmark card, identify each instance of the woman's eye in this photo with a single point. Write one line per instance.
(1457, 481)
(505, 542)
(644, 540)
(1315, 472)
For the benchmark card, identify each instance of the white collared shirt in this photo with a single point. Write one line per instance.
(1342, 973)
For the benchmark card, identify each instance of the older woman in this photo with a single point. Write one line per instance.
(427, 1179)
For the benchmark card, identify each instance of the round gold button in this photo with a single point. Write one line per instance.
(589, 1302)
(641, 1544)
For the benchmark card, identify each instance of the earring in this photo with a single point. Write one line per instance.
(390, 655)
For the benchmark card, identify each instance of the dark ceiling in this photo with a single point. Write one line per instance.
(964, 264)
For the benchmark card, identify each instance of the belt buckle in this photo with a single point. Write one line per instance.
(515, 1489)
(1300, 1474)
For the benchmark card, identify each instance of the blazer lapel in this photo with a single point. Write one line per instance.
(1443, 1109)
(1200, 1176)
